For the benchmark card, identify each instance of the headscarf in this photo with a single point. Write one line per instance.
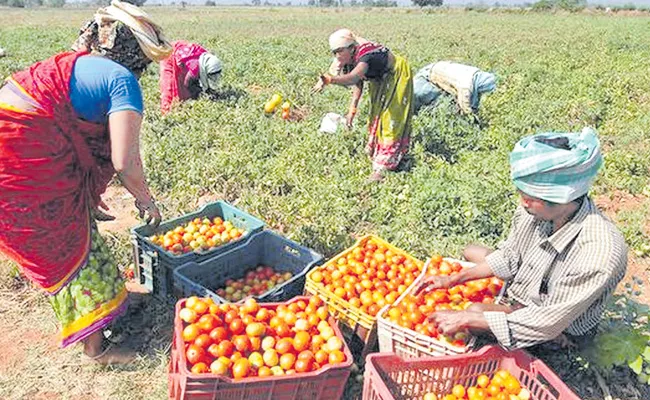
(126, 34)
(209, 71)
(556, 167)
(341, 39)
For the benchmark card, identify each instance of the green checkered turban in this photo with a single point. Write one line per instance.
(556, 167)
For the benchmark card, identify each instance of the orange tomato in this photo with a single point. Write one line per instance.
(512, 385)
(190, 332)
(203, 341)
(242, 343)
(226, 348)
(218, 334)
(200, 307)
(264, 372)
(200, 368)
(194, 354)
(256, 343)
(287, 360)
(493, 390)
(208, 322)
(483, 381)
(336, 357)
(284, 346)
(458, 391)
(304, 365)
(241, 368)
(219, 368)
(237, 326)
(301, 341)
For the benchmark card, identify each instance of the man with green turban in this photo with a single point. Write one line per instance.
(562, 258)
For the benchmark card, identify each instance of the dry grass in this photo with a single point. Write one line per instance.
(34, 367)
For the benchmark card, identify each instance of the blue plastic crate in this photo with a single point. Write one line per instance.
(264, 248)
(154, 265)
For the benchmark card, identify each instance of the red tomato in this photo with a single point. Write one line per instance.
(194, 354)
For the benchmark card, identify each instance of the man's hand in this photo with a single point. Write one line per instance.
(450, 322)
(433, 282)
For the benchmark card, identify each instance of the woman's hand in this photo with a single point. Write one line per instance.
(323, 80)
(349, 118)
(149, 212)
(99, 215)
(319, 86)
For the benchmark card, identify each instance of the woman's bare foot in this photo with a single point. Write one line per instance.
(109, 355)
(114, 356)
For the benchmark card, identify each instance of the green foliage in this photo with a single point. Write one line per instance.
(427, 3)
(623, 338)
(55, 3)
(567, 5)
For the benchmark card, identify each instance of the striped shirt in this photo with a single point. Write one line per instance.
(561, 279)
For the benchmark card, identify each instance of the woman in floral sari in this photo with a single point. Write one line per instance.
(391, 91)
(67, 124)
(190, 70)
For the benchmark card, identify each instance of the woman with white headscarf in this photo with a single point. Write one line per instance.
(190, 70)
(390, 82)
(67, 125)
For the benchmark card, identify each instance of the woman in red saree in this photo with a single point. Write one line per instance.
(190, 70)
(55, 164)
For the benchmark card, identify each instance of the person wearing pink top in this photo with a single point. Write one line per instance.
(190, 70)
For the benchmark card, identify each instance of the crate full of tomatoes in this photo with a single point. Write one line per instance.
(403, 328)
(361, 280)
(215, 228)
(268, 266)
(490, 373)
(251, 351)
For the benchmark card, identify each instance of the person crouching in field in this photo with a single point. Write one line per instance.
(390, 81)
(562, 258)
(67, 124)
(190, 70)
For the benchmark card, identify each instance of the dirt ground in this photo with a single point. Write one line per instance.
(613, 204)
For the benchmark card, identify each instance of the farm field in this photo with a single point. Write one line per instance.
(555, 72)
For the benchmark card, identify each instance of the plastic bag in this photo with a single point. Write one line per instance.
(331, 122)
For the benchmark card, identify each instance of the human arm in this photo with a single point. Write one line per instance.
(192, 85)
(357, 91)
(354, 77)
(124, 130)
(433, 282)
(572, 296)
(502, 263)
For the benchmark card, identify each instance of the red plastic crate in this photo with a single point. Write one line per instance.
(389, 377)
(327, 383)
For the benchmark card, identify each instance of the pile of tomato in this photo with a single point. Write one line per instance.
(198, 235)
(369, 276)
(252, 340)
(412, 311)
(257, 281)
(502, 386)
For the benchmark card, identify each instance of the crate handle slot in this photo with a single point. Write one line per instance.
(136, 259)
(292, 251)
(239, 222)
(149, 264)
